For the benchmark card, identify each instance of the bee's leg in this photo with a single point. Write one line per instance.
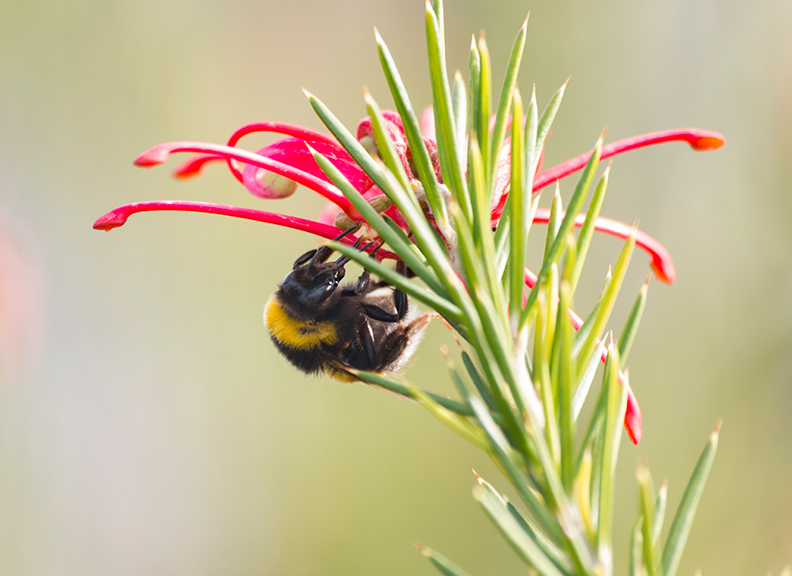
(321, 254)
(305, 258)
(361, 353)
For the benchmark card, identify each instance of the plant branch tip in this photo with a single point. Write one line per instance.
(716, 432)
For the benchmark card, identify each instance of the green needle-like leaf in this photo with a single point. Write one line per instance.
(634, 566)
(450, 162)
(412, 129)
(517, 201)
(392, 385)
(586, 379)
(525, 547)
(564, 368)
(443, 564)
(554, 222)
(587, 230)
(584, 331)
(485, 105)
(660, 508)
(647, 497)
(477, 380)
(385, 145)
(616, 407)
(608, 301)
(631, 325)
(453, 421)
(683, 520)
(546, 121)
(505, 103)
(459, 106)
(575, 202)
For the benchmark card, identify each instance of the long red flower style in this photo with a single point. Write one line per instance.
(275, 171)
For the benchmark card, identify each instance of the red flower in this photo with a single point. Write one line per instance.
(275, 170)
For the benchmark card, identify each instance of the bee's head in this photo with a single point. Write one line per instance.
(310, 286)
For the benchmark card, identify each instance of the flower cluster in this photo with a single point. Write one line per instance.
(274, 172)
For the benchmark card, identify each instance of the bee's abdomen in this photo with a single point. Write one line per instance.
(295, 333)
(302, 342)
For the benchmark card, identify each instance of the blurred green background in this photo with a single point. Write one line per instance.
(147, 425)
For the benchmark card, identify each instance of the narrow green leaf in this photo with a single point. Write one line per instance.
(443, 564)
(505, 102)
(484, 249)
(583, 387)
(543, 337)
(575, 202)
(647, 497)
(459, 106)
(546, 544)
(634, 566)
(485, 104)
(529, 527)
(386, 147)
(587, 230)
(660, 508)
(608, 301)
(450, 162)
(631, 325)
(504, 456)
(412, 129)
(546, 121)
(475, 377)
(617, 405)
(526, 548)
(585, 329)
(565, 371)
(683, 520)
(393, 385)
(503, 230)
(452, 421)
(554, 221)
(474, 94)
(518, 199)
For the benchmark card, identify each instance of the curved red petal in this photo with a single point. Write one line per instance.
(661, 263)
(160, 154)
(295, 153)
(119, 216)
(703, 140)
(194, 166)
(300, 132)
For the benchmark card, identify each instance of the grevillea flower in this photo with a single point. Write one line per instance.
(275, 171)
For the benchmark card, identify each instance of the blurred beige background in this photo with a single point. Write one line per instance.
(147, 425)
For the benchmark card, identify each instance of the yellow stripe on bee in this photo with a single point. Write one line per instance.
(295, 333)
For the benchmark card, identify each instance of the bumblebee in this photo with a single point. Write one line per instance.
(320, 326)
